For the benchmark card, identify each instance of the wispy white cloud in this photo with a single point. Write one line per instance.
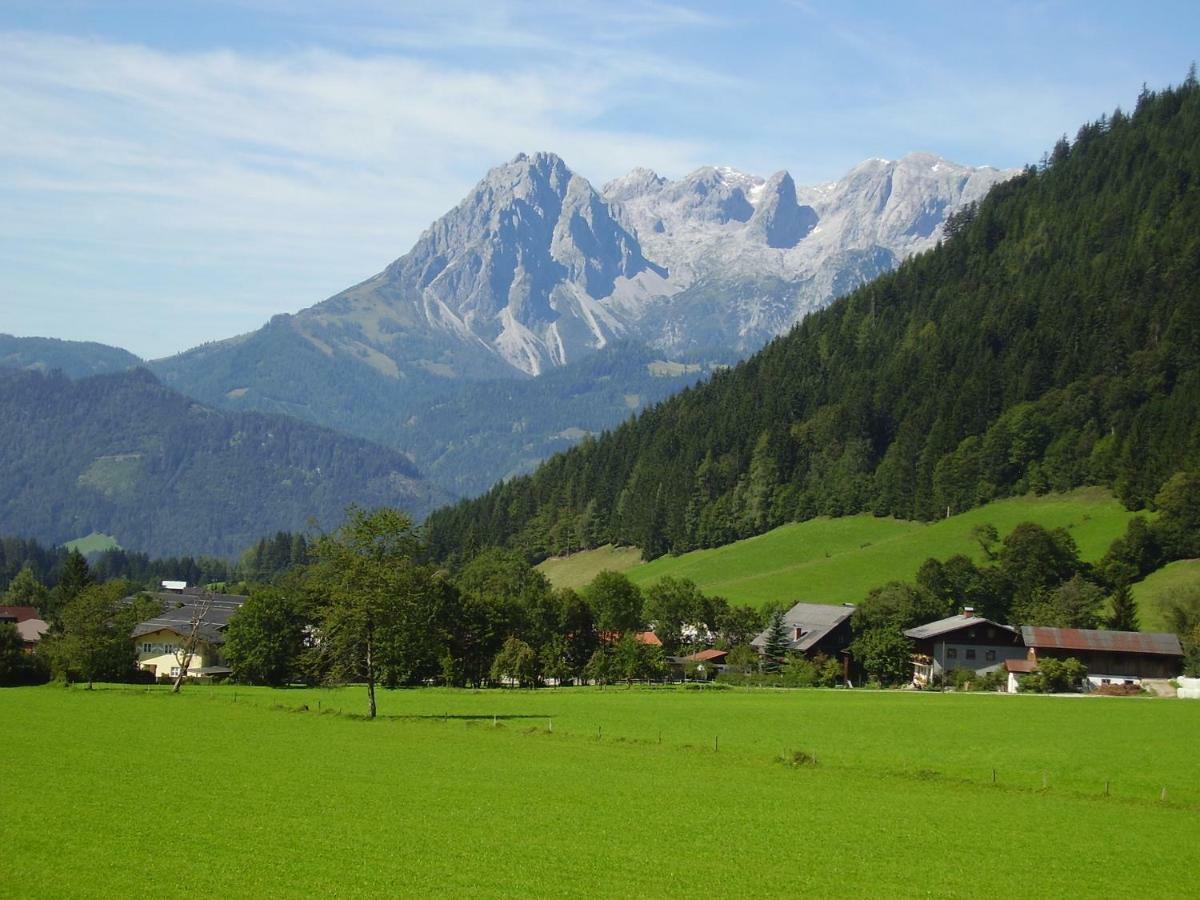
(319, 163)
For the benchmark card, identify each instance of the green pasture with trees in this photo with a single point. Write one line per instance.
(582, 791)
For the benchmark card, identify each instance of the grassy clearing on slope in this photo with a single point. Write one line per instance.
(840, 560)
(96, 542)
(1168, 582)
(294, 803)
(578, 569)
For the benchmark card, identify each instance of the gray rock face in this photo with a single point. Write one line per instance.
(535, 268)
(779, 221)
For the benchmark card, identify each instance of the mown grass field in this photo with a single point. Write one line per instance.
(840, 560)
(127, 792)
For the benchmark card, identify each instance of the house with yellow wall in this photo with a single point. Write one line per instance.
(160, 641)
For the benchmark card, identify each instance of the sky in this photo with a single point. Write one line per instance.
(177, 173)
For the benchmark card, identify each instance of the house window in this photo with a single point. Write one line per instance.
(970, 653)
(990, 656)
(174, 671)
(951, 653)
(147, 648)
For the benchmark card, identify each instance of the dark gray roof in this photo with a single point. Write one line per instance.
(179, 609)
(1158, 643)
(815, 620)
(953, 623)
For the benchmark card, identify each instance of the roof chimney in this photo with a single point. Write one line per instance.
(968, 611)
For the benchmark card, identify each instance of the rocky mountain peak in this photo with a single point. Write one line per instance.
(779, 220)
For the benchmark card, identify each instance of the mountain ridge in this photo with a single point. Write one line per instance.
(121, 454)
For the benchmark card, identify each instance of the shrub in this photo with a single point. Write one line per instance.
(1055, 676)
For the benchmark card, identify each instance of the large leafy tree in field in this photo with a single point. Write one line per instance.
(381, 610)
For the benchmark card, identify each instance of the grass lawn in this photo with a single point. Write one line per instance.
(1168, 582)
(127, 792)
(840, 560)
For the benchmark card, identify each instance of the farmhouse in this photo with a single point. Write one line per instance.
(30, 625)
(965, 641)
(814, 629)
(703, 663)
(160, 641)
(1110, 656)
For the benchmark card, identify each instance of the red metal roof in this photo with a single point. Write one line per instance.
(1019, 665)
(19, 613)
(1101, 641)
(706, 655)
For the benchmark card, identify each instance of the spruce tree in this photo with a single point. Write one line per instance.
(1124, 611)
(776, 647)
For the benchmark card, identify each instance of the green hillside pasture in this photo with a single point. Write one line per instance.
(1168, 582)
(250, 800)
(840, 560)
(578, 569)
(96, 542)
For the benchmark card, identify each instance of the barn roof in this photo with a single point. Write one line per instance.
(1156, 643)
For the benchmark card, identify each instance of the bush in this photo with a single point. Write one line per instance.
(1055, 676)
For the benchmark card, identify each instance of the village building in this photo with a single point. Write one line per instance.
(1111, 657)
(30, 624)
(703, 664)
(964, 641)
(814, 629)
(159, 642)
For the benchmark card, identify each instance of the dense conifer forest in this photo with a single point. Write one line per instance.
(1049, 341)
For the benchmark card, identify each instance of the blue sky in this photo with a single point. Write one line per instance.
(174, 173)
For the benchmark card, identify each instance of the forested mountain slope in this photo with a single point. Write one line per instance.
(124, 455)
(75, 358)
(1050, 341)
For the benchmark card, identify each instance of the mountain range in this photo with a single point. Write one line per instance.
(537, 312)
(536, 271)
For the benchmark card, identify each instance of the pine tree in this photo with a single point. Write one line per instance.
(1124, 611)
(776, 647)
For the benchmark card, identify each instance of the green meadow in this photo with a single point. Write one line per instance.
(93, 543)
(840, 560)
(583, 792)
(1173, 580)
